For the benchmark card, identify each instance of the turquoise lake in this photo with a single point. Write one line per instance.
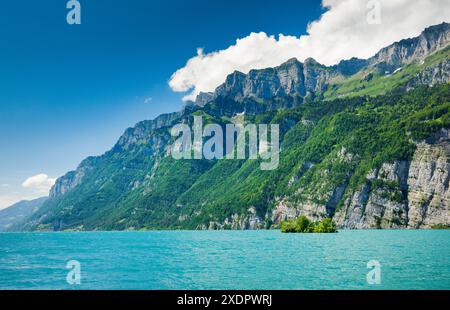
(226, 260)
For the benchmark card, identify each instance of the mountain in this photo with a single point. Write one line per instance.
(19, 212)
(406, 51)
(291, 78)
(310, 78)
(365, 142)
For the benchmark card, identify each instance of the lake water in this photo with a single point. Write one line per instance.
(226, 260)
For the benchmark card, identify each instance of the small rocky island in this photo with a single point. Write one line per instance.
(304, 225)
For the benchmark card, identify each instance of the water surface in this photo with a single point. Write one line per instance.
(226, 260)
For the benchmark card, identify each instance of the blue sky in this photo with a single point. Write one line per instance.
(69, 91)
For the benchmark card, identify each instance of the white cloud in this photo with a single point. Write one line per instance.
(36, 186)
(148, 100)
(342, 32)
(40, 184)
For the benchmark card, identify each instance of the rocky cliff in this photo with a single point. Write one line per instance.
(404, 194)
(416, 49)
(411, 194)
(401, 53)
(292, 78)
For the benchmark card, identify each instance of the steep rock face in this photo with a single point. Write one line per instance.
(431, 76)
(380, 203)
(250, 106)
(404, 194)
(315, 200)
(140, 133)
(291, 78)
(401, 53)
(72, 178)
(286, 210)
(416, 49)
(249, 221)
(204, 98)
(428, 182)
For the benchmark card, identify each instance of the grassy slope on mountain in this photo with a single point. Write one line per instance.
(371, 82)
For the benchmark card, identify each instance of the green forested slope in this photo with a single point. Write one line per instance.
(126, 190)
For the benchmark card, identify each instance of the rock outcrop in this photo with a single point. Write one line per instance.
(406, 51)
(404, 194)
(431, 76)
(291, 78)
(401, 53)
(428, 182)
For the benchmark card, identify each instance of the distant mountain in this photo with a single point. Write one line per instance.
(19, 212)
(365, 142)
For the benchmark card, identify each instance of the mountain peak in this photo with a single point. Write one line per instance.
(292, 61)
(407, 51)
(443, 27)
(311, 61)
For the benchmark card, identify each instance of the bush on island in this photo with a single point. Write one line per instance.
(304, 225)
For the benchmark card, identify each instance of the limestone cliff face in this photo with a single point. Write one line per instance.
(401, 53)
(72, 178)
(291, 78)
(294, 78)
(431, 76)
(381, 201)
(428, 182)
(404, 194)
(409, 50)
(141, 133)
(249, 221)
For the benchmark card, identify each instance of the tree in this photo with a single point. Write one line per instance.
(325, 226)
(302, 224)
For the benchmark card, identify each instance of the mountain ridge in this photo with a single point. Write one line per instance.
(19, 212)
(304, 79)
(136, 185)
